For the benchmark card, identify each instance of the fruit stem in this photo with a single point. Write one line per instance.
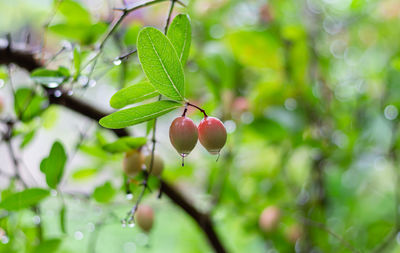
(195, 106)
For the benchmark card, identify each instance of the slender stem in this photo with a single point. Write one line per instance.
(126, 56)
(198, 108)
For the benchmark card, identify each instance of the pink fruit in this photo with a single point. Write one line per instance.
(212, 134)
(145, 217)
(269, 219)
(183, 135)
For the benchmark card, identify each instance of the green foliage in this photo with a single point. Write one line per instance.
(50, 78)
(133, 94)
(180, 35)
(138, 114)
(104, 193)
(48, 246)
(84, 173)
(24, 199)
(125, 144)
(28, 104)
(53, 165)
(63, 218)
(160, 63)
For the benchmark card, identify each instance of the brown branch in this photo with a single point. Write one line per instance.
(27, 61)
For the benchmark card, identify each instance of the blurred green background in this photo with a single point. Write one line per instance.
(308, 90)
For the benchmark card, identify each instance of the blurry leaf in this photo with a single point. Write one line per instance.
(125, 144)
(257, 49)
(53, 165)
(48, 246)
(28, 104)
(28, 137)
(49, 117)
(131, 34)
(63, 214)
(84, 173)
(51, 78)
(133, 94)
(24, 199)
(93, 150)
(138, 114)
(77, 61)
(104, 193)
(149, 126)
(180, 35)
(85, 34)
(160, 63)
(74, 13)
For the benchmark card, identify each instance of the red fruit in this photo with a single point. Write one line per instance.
(212, 134)
(133, 162)
(145, 217)
(269, 219)
(183, 134)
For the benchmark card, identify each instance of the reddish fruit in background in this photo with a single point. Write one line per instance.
(183, 135)
(269, 219)
(158, 164)
(212, 134)
(145, 217)
(294, 233)
(133, 162)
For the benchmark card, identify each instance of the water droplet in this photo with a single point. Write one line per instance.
(129, 196)
(117, 62)
(83, 80)
(123, 222)
(391, 112)
(36, 219)
(91, 227)
(5, 239)
(52, 85)
(78, 235)
(92, 83)
(57, 93)
(290, 104)
(230, 126)
(53, 193)
(131, 223)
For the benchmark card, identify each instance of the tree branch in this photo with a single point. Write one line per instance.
(27, 61)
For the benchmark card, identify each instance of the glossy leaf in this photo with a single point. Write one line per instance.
(133, 94)
(24, 199)
(160, 63)
(53, 165)
(138, 114)
(51, 78)
(28, 104)
(125, 144)
(180, 35)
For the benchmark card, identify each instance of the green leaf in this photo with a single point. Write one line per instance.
(24, 199)
(48, 246)
(28, 104)
(180, 35)
(160, 63)
(28, 137)
(131, 34)
(125, 144)
(84, 34)
(104, 193)
(138, 114)
(53, 165)
(63, 214)
(51, 78)
(133, 94)
(74, 13)
(84, 173)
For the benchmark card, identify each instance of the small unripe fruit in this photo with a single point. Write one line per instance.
(133, 162)
(183, 134)
(294, 233)
(269, 219)
(145, 217)
(212, 134)
(158, 164)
